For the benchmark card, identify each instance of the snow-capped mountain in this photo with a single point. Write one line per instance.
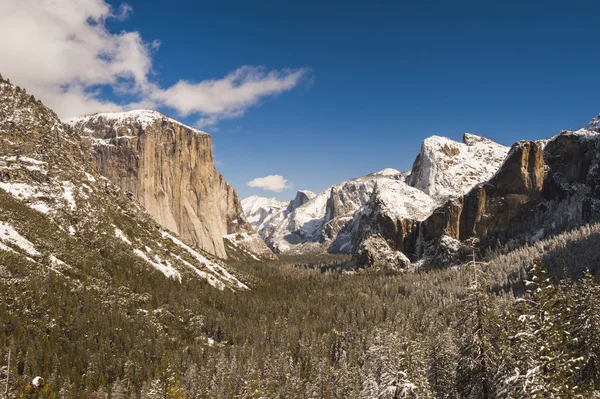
(446, 168)
(259, 210)
(329, 222)
(542, 188)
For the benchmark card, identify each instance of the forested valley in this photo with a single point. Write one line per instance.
(517, 323)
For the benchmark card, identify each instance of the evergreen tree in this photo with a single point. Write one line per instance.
(545, 365)
(478, 328)
(441, 370)
(585, 327)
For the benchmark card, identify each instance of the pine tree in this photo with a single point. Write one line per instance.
(585, 327)
(441, 370)
(477, 364)
(395, 368)
(545, 365)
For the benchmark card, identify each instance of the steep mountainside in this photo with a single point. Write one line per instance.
(169, 169)
(541, 189)
(333, 219)
(61, 216)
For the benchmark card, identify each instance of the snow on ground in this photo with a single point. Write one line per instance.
(8, 235)
(19, 190)
(41, 196)
(401, 201)
(212, 280)
(90, 178)
(68, 194)
(15, 163)
(120, 235)
(238, 240)
(41, 207)
(215, 269)
(165, 267)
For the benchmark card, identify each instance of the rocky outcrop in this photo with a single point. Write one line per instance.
(169, 169)
(489, 208)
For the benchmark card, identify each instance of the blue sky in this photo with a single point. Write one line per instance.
(377, 77)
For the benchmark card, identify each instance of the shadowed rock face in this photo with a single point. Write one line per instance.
(169, 169)
(302, 197)
(491, 207)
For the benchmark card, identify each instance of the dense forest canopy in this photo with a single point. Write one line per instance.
(473, 331)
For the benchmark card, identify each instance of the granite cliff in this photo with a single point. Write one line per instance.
(168, 168)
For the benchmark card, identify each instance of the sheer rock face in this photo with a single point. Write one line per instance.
(302, 197)
(169, 169)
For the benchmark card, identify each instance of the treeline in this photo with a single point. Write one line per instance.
(467, 332)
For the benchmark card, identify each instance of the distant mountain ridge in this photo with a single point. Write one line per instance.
(329, 222)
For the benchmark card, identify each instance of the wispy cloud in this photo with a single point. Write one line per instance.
(65, 55)
(274, 183)
(230, 96)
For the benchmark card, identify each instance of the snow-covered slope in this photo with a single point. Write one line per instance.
(446, 168)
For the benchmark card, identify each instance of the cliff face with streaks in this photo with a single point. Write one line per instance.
(169, 169)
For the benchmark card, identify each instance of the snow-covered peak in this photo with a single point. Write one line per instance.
(473, 139)
(594, 125)
(308, 193)
(259, 210)
(446, 168)
(253, 203)
(143, 117)
(386, 172)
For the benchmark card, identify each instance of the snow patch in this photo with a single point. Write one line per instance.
(165, 268)
(8, 235)
(213, 267)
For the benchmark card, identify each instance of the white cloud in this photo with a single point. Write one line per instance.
(62, 52)
(230, 96)
(271, 183)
